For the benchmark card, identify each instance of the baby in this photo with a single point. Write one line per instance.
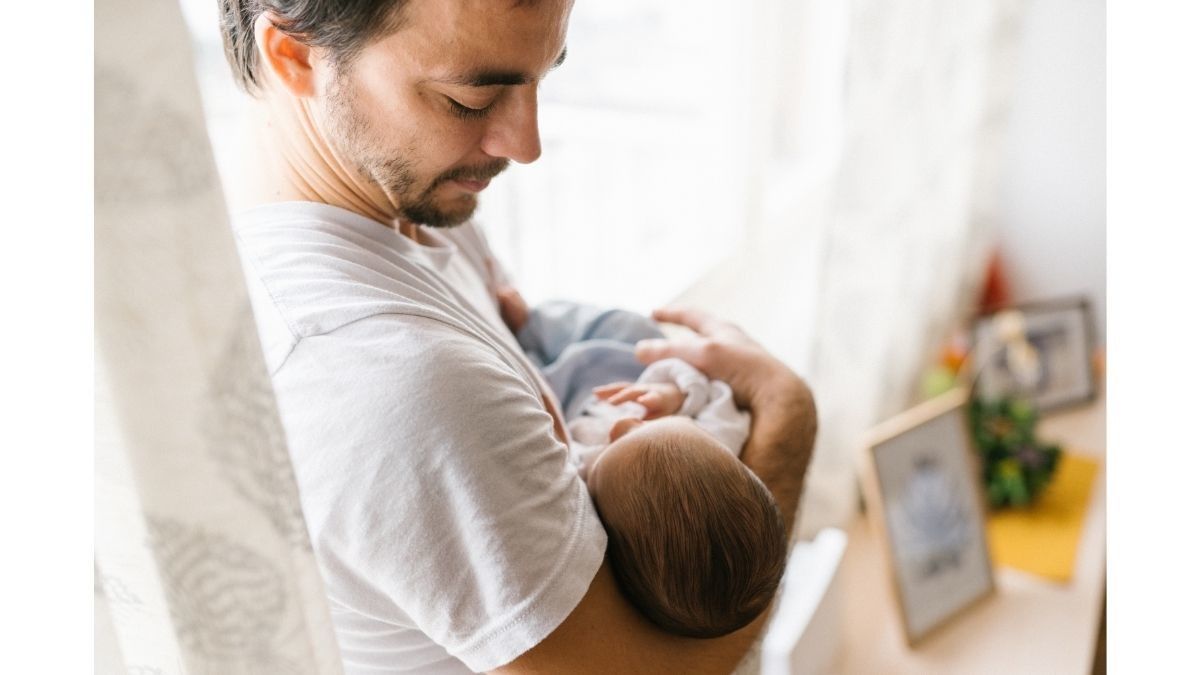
(696, 541)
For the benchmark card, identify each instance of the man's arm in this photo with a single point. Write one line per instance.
(784, 416)
(605, 633)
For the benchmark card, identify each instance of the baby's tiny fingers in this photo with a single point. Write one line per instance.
(606, 390)
(626, 395)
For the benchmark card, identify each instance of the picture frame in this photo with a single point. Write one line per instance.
(1062, 333)
(920, 481)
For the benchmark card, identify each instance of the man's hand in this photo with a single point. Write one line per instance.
(784, 418)
(724, 352)
(658, 398)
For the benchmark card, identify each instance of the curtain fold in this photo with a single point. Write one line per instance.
(203, 562)
(912, 210)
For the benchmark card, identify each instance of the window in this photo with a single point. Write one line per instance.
(654, 148)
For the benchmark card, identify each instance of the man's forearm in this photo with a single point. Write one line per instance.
(782, 434)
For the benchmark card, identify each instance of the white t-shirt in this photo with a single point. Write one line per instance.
(451, 529)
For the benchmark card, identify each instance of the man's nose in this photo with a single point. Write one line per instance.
(513, 134)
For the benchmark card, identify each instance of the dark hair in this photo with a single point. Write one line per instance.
(698, 546)
(343, 27)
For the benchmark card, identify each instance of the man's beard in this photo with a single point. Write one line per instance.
(423, 210)
(395, 175)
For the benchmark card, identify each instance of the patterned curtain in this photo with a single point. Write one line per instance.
(202, 558)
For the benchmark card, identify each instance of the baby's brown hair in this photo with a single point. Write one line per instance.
(697, 545)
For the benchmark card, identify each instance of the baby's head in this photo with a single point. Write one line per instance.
(695, 539)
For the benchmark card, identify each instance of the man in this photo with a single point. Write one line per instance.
(452, 533)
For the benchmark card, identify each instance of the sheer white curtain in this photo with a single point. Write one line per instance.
(912, 207)
(877, 199)
(202, 559)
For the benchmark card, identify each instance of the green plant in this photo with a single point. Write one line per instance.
(1016, 466)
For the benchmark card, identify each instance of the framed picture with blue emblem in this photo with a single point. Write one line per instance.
(920, 480)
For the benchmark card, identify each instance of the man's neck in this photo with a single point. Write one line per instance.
(287, 157)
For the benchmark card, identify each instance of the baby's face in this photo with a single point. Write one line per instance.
(630, 436)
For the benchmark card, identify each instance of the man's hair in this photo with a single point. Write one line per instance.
(343, 27)
(698, 546)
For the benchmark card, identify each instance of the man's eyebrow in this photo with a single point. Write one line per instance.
(491, 78)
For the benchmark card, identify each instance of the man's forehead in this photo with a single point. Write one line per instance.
(486, 76)
(484, 42)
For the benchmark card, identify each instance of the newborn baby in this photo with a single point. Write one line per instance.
(696, 541)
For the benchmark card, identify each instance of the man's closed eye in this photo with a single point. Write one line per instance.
(464, 111)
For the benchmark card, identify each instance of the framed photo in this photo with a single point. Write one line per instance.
(921, 484)
(1062, 334)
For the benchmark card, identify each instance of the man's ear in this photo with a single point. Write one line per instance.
(284, 56)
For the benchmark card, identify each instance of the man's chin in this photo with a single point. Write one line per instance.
(445, 212)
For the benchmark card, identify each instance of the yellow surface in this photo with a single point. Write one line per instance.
(1043, 538)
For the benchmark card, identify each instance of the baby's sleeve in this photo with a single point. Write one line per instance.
(691, 382)
(709, 402)
(722, 419)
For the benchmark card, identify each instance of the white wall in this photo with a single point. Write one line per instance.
(1052, 206)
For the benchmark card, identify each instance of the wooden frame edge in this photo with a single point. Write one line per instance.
(873, 496)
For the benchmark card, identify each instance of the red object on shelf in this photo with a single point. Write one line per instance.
(996, 293)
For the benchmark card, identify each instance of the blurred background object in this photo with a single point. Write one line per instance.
(1051, 215)
(804, 636)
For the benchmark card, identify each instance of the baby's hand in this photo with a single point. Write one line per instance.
(658, 399)
(513, 309)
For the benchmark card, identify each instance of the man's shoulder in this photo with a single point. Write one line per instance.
(388, 394)
(407, 351)
(315, 270)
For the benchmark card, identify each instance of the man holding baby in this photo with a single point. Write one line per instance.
(453, 532)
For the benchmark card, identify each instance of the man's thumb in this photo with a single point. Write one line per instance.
(649, 351)
(688, 348)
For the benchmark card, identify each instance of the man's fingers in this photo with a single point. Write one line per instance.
(690, 349)
(697, 319)
(649, 351)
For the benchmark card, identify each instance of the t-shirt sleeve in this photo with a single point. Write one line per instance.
(434, 488)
